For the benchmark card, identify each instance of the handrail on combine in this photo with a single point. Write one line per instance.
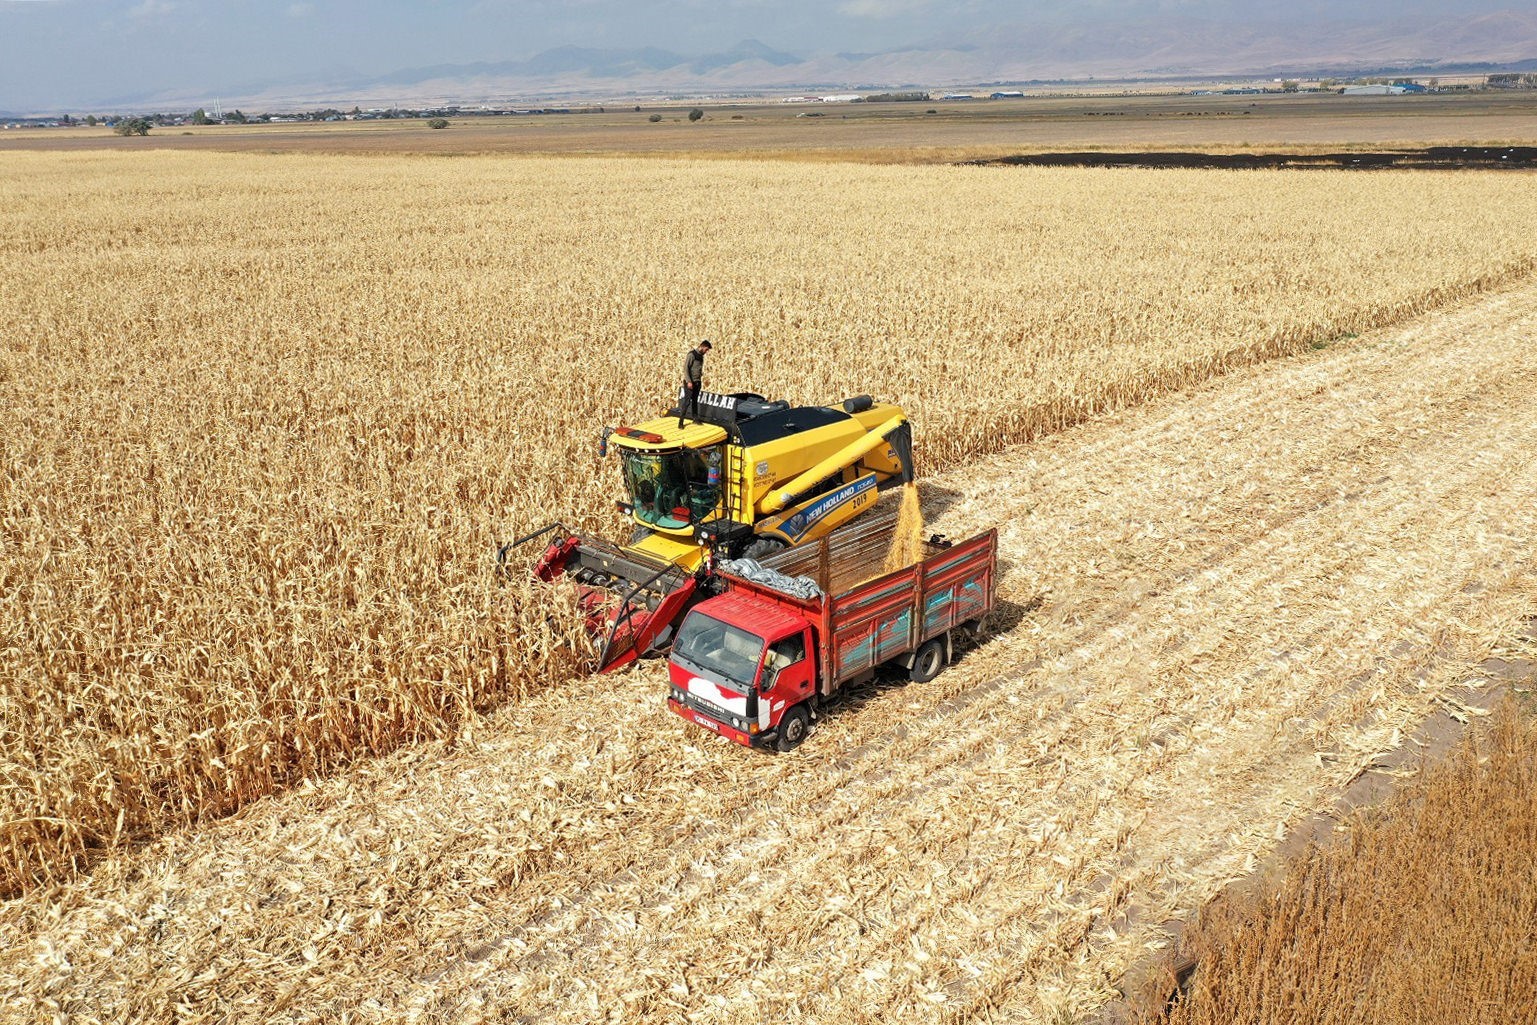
(629, 610)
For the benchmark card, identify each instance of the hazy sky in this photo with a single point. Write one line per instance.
(86, 53)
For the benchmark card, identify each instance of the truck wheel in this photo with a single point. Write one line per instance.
(929, 660)
(793, 729)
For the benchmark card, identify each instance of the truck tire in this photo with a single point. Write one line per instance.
(793, 729)
(928, 660)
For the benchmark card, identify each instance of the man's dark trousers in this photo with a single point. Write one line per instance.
(688, 405)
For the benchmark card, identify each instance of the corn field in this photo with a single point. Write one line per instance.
(1217, 610)
(1426, 908)
(266, 418)
(1219, 604)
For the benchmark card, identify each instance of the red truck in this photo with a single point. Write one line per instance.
(755, 663)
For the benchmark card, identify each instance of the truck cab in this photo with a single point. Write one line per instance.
(741, 668)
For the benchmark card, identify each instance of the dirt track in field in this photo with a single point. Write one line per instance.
(1220, 608)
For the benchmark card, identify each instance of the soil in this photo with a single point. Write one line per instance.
(1437, 158)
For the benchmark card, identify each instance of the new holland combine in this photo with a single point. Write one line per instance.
(750, 478)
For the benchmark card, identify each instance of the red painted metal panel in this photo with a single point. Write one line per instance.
(887, 616)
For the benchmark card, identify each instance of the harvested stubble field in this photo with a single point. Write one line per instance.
(270, 414)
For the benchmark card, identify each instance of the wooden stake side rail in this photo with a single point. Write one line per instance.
(895, 613)
(849, 555)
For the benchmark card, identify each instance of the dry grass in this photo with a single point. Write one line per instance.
(1424, 912)
(267, 416)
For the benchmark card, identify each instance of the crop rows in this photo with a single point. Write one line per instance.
(1218, 610)
(267, 417)
(1425, 905)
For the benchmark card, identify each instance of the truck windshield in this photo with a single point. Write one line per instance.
(673, 490)
(725, 651)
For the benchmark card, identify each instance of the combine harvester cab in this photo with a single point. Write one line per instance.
(752, 478)
(756, 662)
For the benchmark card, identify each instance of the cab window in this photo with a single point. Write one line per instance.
(728, 651)
(673, 489)
(786, 653)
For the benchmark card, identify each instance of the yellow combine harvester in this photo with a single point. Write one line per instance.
(752, 478)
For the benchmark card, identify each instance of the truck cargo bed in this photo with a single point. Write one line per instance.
(866, 616)
(849, 555)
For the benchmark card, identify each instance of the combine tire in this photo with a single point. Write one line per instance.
(793, 729)
(761, 548)
(928, 661)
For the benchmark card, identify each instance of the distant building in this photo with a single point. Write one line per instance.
(1372, 90)
(1007, 95)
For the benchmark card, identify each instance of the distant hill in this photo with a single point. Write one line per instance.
(1009, 53)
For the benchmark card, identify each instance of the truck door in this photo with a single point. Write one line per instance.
(787, 680)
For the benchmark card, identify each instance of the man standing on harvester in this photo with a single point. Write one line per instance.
(693, 377)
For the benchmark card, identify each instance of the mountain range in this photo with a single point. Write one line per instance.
(1169, 48)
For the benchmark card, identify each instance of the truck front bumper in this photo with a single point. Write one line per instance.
(714, 725)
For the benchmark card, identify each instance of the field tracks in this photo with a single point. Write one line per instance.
(957, 758)
(1117, 772)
